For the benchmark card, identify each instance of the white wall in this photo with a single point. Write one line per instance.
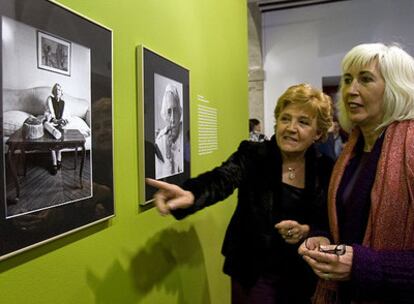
(20, 69)
(305, 44)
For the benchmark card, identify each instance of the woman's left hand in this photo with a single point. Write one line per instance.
(329, 266)
(292, 231)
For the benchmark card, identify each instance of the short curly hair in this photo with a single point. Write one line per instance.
(312, 98)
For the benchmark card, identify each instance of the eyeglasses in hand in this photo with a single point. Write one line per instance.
(338, 249)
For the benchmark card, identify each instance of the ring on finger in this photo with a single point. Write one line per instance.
(326, 276)
(289, 233)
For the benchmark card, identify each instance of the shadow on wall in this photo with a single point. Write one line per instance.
(171, 263)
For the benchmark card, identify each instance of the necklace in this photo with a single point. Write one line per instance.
(292, 173)
(295, 167)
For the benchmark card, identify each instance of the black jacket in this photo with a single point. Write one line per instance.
(256, 170)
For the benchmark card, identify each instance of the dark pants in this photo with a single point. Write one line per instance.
(269, 290)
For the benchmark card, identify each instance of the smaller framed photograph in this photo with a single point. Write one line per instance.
(163, 121)
(53, 53)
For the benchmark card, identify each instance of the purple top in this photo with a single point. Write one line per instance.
(376, 275)
(386, 275)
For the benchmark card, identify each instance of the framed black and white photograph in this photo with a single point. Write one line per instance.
(163, 121)
(56, 123)
(53, 53)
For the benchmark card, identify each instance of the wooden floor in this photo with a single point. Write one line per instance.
(40, 189)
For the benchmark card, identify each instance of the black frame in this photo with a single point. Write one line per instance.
(150, 64)
(50, 67)
(26, 231)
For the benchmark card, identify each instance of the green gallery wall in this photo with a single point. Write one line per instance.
(139, 256)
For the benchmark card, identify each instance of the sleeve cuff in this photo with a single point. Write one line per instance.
(366, 269)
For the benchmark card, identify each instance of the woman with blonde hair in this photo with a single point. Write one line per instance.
(371, 192)
(56, 114)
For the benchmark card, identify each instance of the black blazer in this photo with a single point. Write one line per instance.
(256, 170)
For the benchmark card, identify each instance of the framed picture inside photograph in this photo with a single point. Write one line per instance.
(53, 53)
(163, 121)
(56, 156)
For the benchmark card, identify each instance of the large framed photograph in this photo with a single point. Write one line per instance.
(163, 121)
(53, 53)
(56, 156)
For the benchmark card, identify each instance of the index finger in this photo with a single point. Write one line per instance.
(158, 184)
(287, 224)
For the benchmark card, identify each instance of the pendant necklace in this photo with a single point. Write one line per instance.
(292, 173)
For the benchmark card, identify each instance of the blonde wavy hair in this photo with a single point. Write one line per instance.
(309, 97)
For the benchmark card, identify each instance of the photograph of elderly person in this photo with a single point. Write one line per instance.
(255, 130)
(55, 113)
(169, 144)
(282, 186)
(370, 198)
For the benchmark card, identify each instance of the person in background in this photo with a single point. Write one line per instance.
(282, 187)
(55, 113)
(333, 145)
(371, 192)
(255, 131)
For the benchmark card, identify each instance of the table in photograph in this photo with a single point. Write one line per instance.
(71, 139)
